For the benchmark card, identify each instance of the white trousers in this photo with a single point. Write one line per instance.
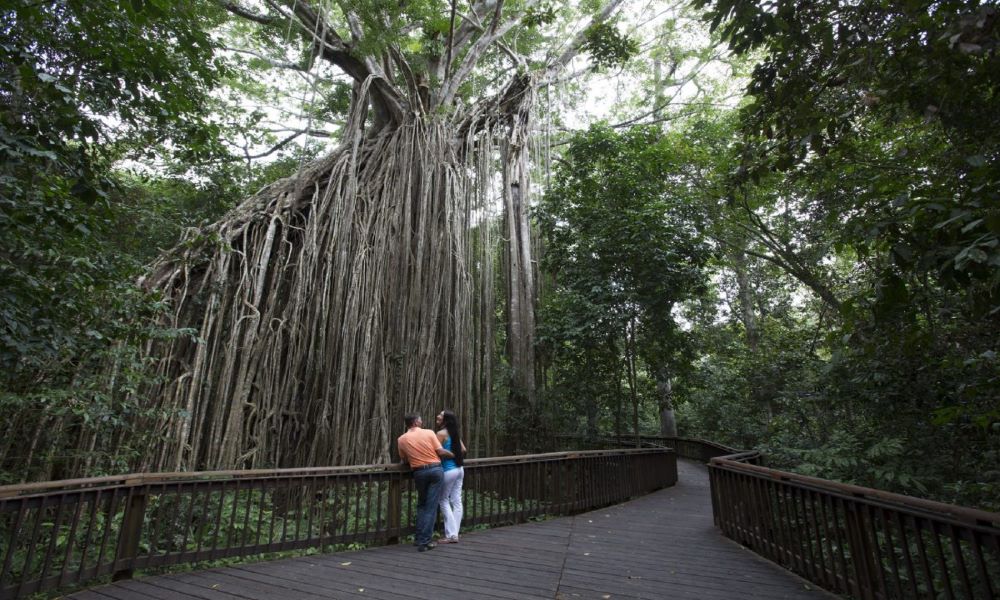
(451, 501)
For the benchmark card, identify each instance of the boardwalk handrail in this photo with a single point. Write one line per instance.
(855, 540)
(63, 533)
(693, 448)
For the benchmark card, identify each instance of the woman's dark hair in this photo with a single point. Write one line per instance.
(451, 424)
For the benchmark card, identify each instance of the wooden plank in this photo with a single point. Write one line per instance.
(256, 589)
(152, 588)
(323, 587)
(91, 595)
(129, 590)
(413, 580)
(183, 589)
(487, 574)
(120, 593)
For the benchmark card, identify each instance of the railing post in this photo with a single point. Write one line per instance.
(131, 533)
(672, 472)
(713, 492)
(395, 509)
(861, 551)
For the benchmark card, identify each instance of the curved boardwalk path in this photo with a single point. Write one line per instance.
(663, 545)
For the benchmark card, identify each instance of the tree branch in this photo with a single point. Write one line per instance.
(451, 39)
(581, 36)
(496, 30)
(473, 22)
(387, 101)
(787, 260)
(278, 146)
(318, 133)
(271, 61)
(246, 13)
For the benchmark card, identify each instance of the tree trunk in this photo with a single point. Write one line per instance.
(633, 384)
(592, 414)
(752, 332)
(665, 393)
(521, 286)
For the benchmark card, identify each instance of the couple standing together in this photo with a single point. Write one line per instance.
(436, 460)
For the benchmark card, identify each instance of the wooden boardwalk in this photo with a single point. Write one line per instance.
(663, 545)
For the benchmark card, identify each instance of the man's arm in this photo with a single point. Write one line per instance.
(440, 449)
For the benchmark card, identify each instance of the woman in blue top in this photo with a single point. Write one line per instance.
(454, 473)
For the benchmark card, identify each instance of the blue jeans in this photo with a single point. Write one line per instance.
(428, 483)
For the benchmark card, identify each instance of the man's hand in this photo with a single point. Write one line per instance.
(445, 453)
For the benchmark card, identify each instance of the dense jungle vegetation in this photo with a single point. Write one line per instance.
(247, 234)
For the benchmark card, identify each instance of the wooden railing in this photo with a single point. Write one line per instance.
(862, 542)
(67, 533)
(693, 448)
(858, 541)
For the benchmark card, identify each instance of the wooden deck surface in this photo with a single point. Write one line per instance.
(663, 545)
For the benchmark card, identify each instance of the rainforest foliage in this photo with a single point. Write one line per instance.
(809, 265)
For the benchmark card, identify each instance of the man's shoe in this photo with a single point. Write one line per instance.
(427, 547)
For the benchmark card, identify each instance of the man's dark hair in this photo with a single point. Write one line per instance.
(410, 419)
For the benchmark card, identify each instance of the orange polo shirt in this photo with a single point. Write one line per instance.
(418, 447)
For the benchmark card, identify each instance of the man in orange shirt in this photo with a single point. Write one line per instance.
(422, 450)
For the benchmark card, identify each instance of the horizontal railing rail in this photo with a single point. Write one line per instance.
(692, 448)
(863, 542)
(68, 533)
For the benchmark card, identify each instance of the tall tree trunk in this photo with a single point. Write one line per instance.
(619, 401)
(633, 383)
(665, 397)
(748, 317)
(592, 412)
(746, 301)
(521, 285)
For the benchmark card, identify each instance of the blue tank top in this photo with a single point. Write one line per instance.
(448, 464)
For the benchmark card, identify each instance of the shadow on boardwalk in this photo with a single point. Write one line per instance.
(659, 546)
